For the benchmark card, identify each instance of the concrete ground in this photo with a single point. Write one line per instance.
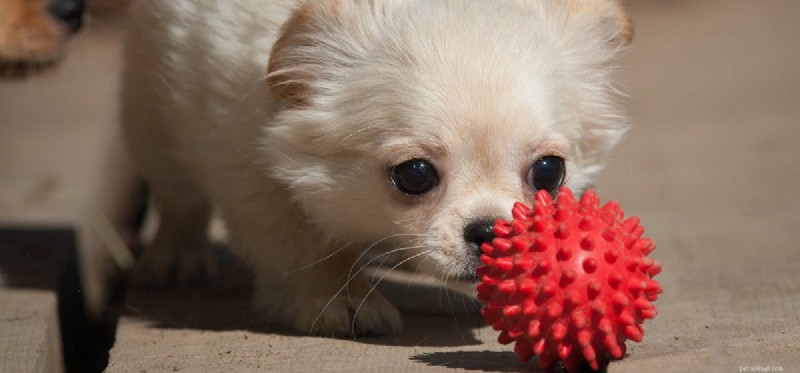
(710, 167)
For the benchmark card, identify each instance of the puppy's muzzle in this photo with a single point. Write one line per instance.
(476, 234)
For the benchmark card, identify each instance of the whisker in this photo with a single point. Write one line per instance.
(362, 129)
(374, 286)
(452, 311)
(370, 247)
(416, 269)
(350, 278)
(385, 256)
(307, 266)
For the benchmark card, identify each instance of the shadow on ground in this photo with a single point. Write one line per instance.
(481, 361)
(222, 303)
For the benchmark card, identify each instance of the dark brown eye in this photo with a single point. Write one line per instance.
(414, 177)
(547, 173)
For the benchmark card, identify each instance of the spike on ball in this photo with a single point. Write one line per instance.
(569, 280)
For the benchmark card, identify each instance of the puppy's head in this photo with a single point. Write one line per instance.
(419, 123)
(33, 32)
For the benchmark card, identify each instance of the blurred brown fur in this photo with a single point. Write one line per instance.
(30, 37)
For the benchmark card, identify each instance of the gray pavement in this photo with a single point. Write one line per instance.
(711, 167)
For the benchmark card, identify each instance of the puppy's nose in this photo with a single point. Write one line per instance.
(479, 232)
(69, 12)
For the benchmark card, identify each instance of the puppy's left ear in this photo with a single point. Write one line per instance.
(608, 16)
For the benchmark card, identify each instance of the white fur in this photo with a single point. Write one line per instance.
(481, 88)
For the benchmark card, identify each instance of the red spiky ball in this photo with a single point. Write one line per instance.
(568, 280)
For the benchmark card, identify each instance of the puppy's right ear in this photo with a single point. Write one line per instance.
(309, 46)
(610, 17)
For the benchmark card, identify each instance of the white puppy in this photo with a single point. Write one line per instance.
(330, 131)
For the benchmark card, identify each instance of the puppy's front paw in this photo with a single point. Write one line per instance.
(335, 316)
(170, 265)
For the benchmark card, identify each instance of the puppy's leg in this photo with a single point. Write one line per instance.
(325, 301)
(180, 250)
(302, 279)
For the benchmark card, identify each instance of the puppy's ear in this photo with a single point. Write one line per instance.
(609, 16)
(309, 47)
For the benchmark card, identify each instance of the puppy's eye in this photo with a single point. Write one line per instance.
(547, 173)
(416, 176)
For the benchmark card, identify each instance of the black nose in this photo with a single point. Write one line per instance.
(69, 12)
(479, 232)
